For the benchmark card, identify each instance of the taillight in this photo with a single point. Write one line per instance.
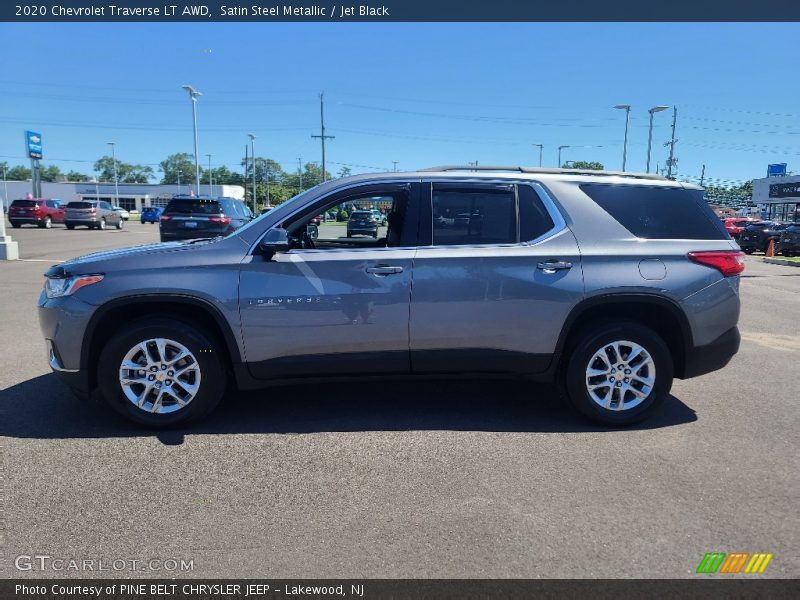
(37, 209)
(223, 220)
(93, 210)
(727, 262)
(165, 218)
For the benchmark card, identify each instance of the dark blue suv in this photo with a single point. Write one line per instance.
(192, 217)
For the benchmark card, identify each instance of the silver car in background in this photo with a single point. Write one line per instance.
(93, 214)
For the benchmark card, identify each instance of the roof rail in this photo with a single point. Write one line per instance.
(552, 171)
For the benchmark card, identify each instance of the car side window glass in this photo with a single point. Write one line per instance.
(466, 217)
(105, 205)
(534, 220)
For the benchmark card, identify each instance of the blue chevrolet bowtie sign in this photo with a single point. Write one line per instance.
(33, 141)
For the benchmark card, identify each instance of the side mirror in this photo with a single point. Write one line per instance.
(274, 241)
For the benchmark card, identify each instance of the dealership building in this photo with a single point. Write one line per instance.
(132, 196)
(778, 197)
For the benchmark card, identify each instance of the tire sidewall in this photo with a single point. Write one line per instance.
(102, 224)
(596, 338)
(213, 378)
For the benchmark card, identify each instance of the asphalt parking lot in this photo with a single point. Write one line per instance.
(436, 479)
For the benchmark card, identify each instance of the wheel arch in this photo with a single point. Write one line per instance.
(184, 307)
(661, 314)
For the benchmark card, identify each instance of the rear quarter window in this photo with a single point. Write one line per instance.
(658, 212)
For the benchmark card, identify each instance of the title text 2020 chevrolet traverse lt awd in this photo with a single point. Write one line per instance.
(610, 284)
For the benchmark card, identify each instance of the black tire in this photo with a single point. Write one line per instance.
(120, 224)
(579, 354)
(748, 250)
(204, 347)
(70, 226)
(16, 225)
(102, 224)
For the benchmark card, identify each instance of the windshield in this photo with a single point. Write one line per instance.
(24, 203)
(283, 209)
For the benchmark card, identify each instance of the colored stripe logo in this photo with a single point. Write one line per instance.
(736, 562)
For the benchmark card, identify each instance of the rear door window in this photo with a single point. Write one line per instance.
(658, 212)
(465, 216)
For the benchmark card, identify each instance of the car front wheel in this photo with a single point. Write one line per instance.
(120, 224)
(161, 373)
(618, 373)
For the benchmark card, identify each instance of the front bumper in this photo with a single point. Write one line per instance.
(63, 323)
(713, 356)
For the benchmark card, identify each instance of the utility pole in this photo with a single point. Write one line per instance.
(702, 175)
(541, 149)
(322, 137)
(394, 163)
(244, 177)
(672, 160)
(253, 152)
(300, 171)
(560, 148)
(210, 178)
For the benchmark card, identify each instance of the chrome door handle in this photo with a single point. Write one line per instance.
(384, 270)
(551, 266)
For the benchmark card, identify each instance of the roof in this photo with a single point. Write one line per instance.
(544, 171)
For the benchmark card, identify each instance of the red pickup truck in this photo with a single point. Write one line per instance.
(36, 211)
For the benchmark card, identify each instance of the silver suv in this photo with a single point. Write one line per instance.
(93, 214)
(609, 284)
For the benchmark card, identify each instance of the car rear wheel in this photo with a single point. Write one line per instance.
(748, 250)
(69, 225)
(102, 224)
(47, 223)
(16, 225)
(161, 373)
(618, 373)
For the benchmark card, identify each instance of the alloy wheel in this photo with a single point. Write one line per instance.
(159, 376)
(620, 375)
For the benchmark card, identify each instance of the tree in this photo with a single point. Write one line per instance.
(127, 173)
(76, 176)
(18, 173)
(344, 172)
(179, 168)
(583, 164)
(49, 173)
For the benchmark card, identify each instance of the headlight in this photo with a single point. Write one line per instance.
(58, 287)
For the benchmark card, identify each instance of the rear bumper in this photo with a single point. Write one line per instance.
(26, 219)
(713, 356)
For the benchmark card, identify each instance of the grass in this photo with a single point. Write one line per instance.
(789, 258)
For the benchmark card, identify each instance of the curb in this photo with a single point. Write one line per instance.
(780, 261)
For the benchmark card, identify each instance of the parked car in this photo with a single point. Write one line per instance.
(757, 236)
(600, 282)
(193, 217)
(379, 216)
(362, 222)
(151, 214)
(42, 212)
(122, 212)
(735, 225)
(94, 214)
(789, 242)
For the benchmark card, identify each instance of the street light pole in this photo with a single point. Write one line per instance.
(210, 179)
(652, 111)
(3, 203)
(300, 171)
(541, 149)
(627, 109)
(194, 94)
(560, 148)
(116, 177)
(253, 152)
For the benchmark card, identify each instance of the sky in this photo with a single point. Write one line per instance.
(420, 94)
